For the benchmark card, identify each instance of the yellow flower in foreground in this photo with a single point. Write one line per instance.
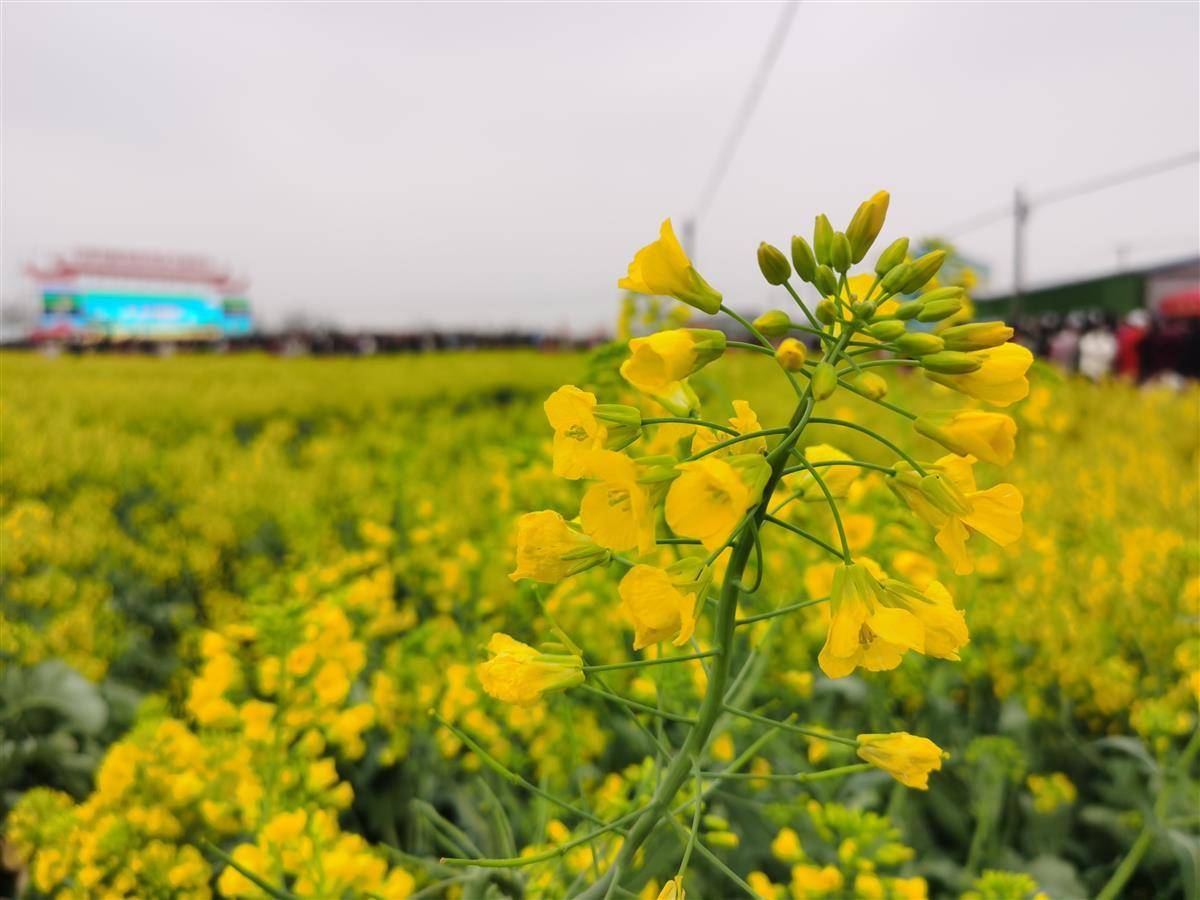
(548, 549)
(944, 625)
(907, 758)
(985, 435)
(949, 500)
(518, 673)
(663, 269)
(661, 603)
(1000, 380)
(617, 511)
(862, 631)
(659, 363)
(581, 426)
(744, 421)
(711, 496)
(673, 889)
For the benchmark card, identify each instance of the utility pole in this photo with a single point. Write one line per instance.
(1020, 215)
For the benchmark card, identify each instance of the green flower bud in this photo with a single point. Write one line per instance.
(866, 224)
(919, 343)
(936, 310)
(909, 310)
(824, 381)
(895, 278)
(891, 257)
(791, 354)
(863, 309)
(976, 336)
(950, 362)
(803, 258)
(826, 282)
(943, 293)
(822, 239)
(872, 385)
(773, 263)
(773, 323)
(715, 823)
(887, 330)
(840, 252)
(922, 270)
(827, 311)
(623, 423)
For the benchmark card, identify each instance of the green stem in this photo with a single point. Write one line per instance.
(757, 348)
(855, 389)
(699, 423)
(508, 775)
(640, 707)
(800, 532)
(265, 886)
(766, 432)
(778, 611)
(862, 464)
(867, 431)
(833, 507)
(804, 308)
(560, 850)
(798, 729)
(716, 861)
(638, 663)
(881, 363)
(799, 777)
(687, 851)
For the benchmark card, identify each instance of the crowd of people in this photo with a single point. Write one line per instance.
(1098, 345)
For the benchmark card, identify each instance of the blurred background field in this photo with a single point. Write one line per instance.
(187, 538)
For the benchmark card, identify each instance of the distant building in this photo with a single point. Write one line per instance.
(91, 295)
(1171, 290)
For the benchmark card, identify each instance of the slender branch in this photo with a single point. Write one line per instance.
(796, 530)
(766, 432)
(799, 777)
(798, 729)
(833, 507)
(560, 850)
(715, 860)
(265, 886)
(678, 420)
(640, 707)
(638, 663)
(778, 611)
(804, 307)
(867, 431)
(757, 348)
(677, 540)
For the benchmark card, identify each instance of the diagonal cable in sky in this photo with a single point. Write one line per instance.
(746, 110)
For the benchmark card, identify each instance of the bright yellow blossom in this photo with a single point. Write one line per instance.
(663, 269)
(581, 426)
(549, 550)
(907, 758)
(661, 603)
(616, 511)
(659, 364)
(862, 631)
(519, 674)
(1000, 380)
(988, 436)
(711, 496)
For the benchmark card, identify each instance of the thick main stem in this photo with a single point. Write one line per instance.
(713, 704)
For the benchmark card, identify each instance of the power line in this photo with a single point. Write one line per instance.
(746, 110)
(1102, 182)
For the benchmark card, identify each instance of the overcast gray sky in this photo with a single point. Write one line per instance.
(392, 164)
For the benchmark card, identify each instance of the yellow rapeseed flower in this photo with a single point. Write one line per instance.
(661, 603)
(519, 674)
(907, 758)
(663, 269)
(617, 511)
(711, 496)
(862, 631)
(673, 889)
(549, 550)
(659, 364)
(581, 425)
(988, 436)
(744, 421)
(1000, 380)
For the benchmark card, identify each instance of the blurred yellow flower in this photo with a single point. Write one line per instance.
(907, 758)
